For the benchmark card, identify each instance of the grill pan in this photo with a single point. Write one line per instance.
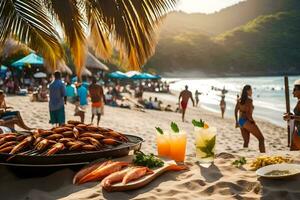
(72, 158)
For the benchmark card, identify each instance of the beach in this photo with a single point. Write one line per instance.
(215, 182)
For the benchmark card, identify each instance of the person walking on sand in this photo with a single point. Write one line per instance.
(184, 96)
(245, 121)
(97, 98)
(82, 93)
(197, 93)
(57, 96)
(295, 118)
(223, 106)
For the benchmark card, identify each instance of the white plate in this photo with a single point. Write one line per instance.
(293, 168)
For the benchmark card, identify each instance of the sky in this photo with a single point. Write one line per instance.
(204, 6)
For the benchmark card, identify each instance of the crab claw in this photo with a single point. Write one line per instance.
(25, 143)
(55, 148)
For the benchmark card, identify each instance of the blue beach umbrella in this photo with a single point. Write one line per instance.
(118, 75)
(144, 76)
(31, 59)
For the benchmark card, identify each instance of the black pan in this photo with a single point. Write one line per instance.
(134, 144)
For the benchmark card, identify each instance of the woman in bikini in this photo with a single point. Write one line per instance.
(245, 121)
(295, 143)
(223, 106)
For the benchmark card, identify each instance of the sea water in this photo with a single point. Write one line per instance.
(268, 94)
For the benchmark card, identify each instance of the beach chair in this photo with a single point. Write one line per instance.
(16, 120)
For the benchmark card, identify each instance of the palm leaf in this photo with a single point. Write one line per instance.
(28, 22)
(68, 13)
(133, 25)
(99, 33)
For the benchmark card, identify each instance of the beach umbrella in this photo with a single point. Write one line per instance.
(132, 73)
(93, 63)
(3, 68)
(118, 75)
(40, 75)
(144, 76)
(31, 59)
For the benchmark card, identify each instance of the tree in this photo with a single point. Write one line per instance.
(128, 25)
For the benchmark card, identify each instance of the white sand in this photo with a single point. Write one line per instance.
(221, 181)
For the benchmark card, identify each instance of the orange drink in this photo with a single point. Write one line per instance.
(178, 146)
(163, 144)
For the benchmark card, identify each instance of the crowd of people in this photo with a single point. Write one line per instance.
(60, 92)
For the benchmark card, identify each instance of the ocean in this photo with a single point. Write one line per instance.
(268, 94)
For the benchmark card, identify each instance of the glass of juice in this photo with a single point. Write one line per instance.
(205, 142)
(163, 144)
(178, 146)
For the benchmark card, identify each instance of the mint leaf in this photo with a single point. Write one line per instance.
(159, 130)
(208, 147)
(199, 124)
(174, 127)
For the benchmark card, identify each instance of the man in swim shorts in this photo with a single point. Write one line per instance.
(184, 96)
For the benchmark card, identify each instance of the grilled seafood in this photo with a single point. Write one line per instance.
(97, 136)
(54, 137)
(55, 148)
(103, 171)
(6, 149)
(110, 141)
(91, 140)
(90, 147)
(25, 143)
(114, 178)
(7, 138)
(42, 145)
(79, 175)
(136, 173)
(7, 144)
(73, 136)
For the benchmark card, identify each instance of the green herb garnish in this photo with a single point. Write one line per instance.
(199, 124)
(208, 148)
(174, 127)
(239, 162)
(150, 160)
(159, 130)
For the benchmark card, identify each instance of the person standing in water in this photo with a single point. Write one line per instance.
(197, 93)
(223, 106)
(184, 96)
(245, 121)
(295, 145)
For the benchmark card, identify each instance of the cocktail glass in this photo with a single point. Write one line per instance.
(163, 144)
(178, 146)
(205, 142)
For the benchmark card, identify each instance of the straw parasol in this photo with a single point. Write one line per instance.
(93, 63)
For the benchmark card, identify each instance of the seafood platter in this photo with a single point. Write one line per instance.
(71, 143)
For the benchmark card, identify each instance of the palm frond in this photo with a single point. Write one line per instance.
(28, 22)
(69, 14)
(132, 25)
(99, 33)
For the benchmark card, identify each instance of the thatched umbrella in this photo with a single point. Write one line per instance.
(93, 63)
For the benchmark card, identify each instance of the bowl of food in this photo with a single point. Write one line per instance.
(278, 171)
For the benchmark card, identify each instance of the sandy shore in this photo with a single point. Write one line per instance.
(217, 182)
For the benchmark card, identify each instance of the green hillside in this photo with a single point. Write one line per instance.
(267, 45)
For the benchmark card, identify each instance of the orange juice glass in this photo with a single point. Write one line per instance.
(163, 144)
(178, 146)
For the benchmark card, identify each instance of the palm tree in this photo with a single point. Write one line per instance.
(126, 25)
